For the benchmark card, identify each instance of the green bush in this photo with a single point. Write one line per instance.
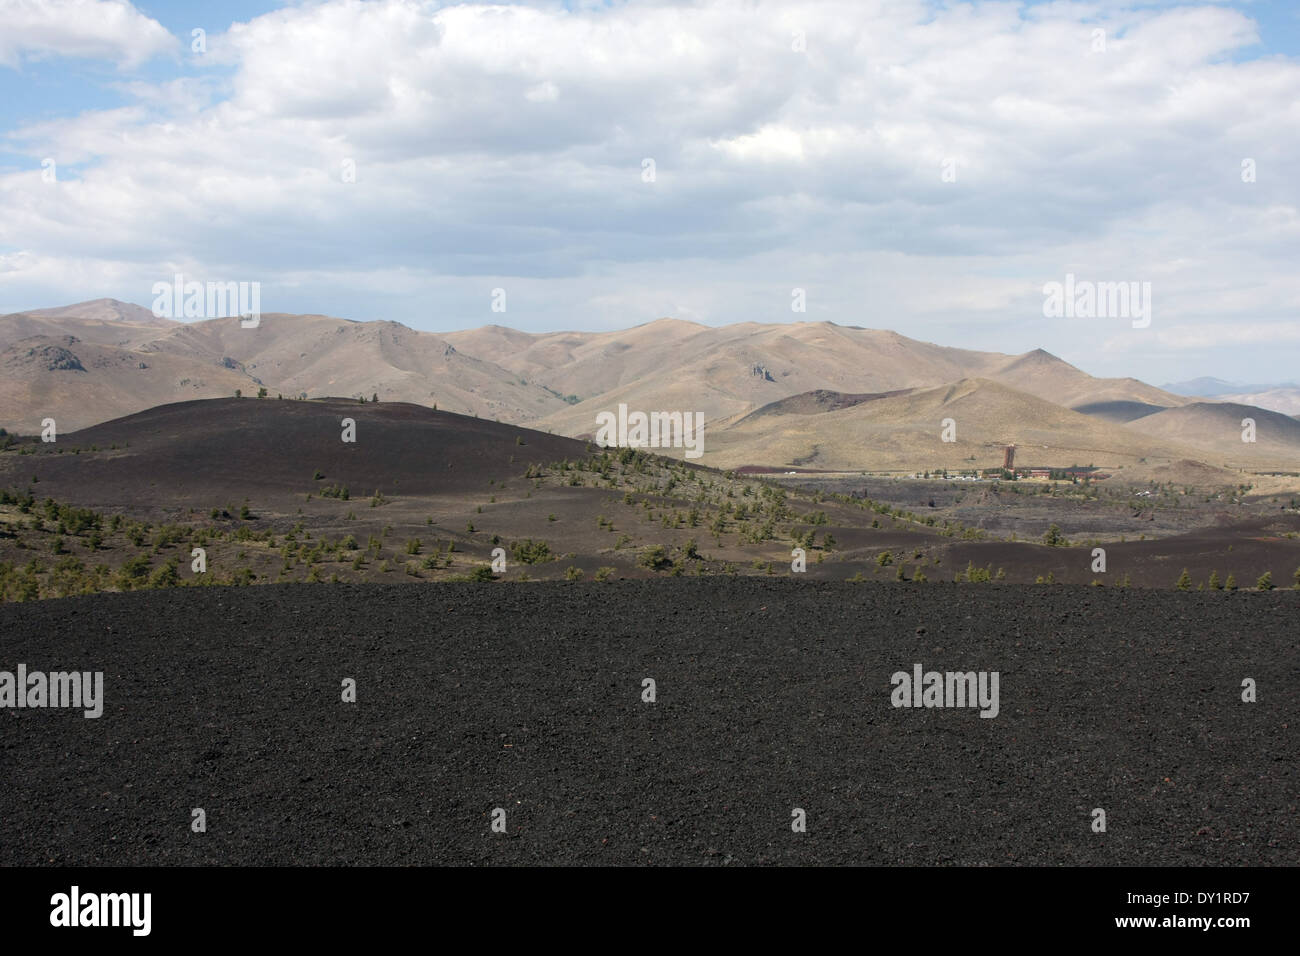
(529, 551)
(165, 576)
(654, 558)
(134, 573)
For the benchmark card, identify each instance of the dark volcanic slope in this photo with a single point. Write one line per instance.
(203, 453)
(771, 695)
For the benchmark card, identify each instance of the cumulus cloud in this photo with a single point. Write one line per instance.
(97, 29)
(914, 167)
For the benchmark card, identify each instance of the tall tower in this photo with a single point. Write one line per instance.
(1009, 458)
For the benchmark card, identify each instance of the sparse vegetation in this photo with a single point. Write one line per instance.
(655, 558)
(529, 551)
(1053, 538)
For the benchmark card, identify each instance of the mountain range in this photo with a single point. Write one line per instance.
(1283, 397)
(813, 395)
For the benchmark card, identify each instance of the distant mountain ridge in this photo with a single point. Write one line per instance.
(1283, 397)
(1207, 387)
(104, 310)
(765, 390)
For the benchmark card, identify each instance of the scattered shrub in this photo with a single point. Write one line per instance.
(529, 551)
(655, 558)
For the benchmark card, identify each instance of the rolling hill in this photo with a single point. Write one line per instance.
(104, 359)
(104, 310)
(903, 430)
(198, 453)
(1215, 429)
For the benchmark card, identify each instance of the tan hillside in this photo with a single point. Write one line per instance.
(903, 432)
(814, 394)
(1215, 429)
(104, 310)
(729, 371)
(323, 356)
(80, 383)
(126, 368)
(1043, 374)
(582, 363)
(24, 325)
(1188, 473)
(1284, 399)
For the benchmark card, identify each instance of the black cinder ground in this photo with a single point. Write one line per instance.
(770, 697)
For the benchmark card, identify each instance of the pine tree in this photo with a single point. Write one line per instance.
(1184, 581)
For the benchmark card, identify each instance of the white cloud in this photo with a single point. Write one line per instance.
(506, 141)
(98, 29)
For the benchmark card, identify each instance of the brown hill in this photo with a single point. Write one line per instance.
(200, 453)
(1043, 374)
(561, 381)
(320, 355)
(730, 371)
(104, 310)
(1215, 429)
(1284, 399)
(77, 383)
(903, 431)
(583, 363)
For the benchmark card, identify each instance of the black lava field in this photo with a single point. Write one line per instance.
(770, 696)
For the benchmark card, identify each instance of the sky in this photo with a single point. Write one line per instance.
(925, 167)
